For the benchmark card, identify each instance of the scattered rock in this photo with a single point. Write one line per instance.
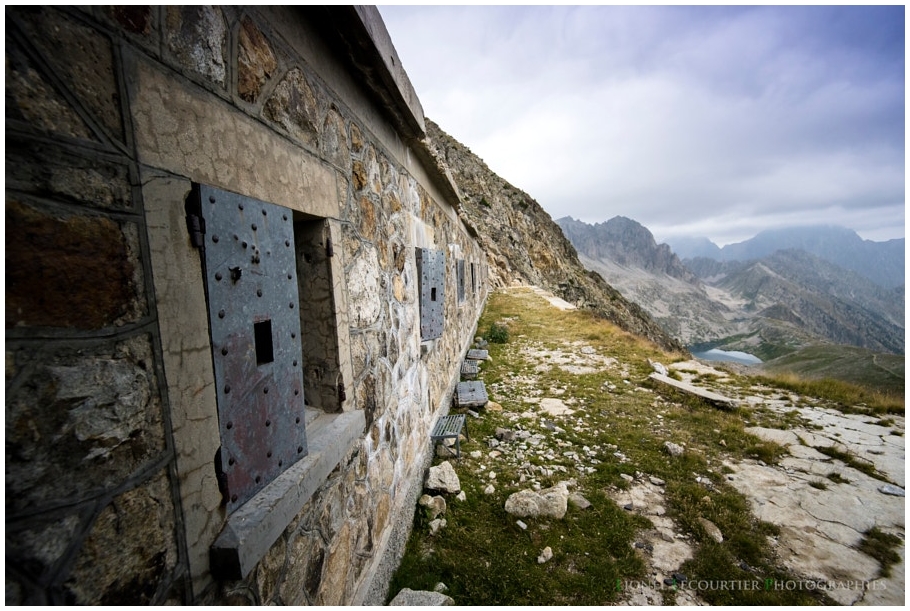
(656, 481)
(521, 525)
(545, 555)
(493, 406)
(443, 478)
(476, 454)
(679, 577)
(579, 501)
(493, 443)
(436, 505)
(723, 443)
(441, 588)
(892, 490)
(658, 367)
(462, 496)
(712, 530)
(437, 525)
(627, 477)
(504, 434)
(547, 503)
(420, 598)
(628, 506)
(673, 449)
(473, 413)
(490, 489)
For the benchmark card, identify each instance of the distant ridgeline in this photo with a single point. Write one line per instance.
(769, 296)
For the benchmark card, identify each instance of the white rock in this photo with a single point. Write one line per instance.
(545, 555)
(443, 478)
(462, 496)
(490, 489)
(712, 530)
(417, 598)
(892, 490)
(656, 481)
(521, 525)
(549, 503)
(673, 449)
(437, 525)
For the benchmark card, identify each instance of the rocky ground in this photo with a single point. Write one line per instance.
(837, 476)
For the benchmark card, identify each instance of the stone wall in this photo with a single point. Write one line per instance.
(113, 114)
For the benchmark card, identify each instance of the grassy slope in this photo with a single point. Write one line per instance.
(484, 557)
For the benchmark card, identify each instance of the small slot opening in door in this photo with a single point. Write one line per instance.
(262, 334)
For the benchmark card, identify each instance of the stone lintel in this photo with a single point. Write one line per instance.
(707, 395)
(252, 530)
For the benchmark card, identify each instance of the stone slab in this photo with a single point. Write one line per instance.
(707, 395)
(471, 394)
(252, 530)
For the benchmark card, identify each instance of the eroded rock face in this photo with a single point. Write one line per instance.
(822, 524)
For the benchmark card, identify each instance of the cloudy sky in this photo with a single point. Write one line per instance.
(699, 121)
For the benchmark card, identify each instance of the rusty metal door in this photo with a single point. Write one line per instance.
(251, 287)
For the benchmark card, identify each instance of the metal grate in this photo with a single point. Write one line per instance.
(251, 282)
(470, 369)
(478, 355)
(449, 427)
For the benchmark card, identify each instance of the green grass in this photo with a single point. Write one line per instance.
(852, 461)
(485, 558)
(883, 547)
(848, 397)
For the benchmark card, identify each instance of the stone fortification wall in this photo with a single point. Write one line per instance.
(115, 117)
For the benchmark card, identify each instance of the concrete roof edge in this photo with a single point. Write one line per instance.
(385, 59)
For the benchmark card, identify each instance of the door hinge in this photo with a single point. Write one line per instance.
(195, 224)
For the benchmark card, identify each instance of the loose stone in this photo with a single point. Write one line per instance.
(545, 555)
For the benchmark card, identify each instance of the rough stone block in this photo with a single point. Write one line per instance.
(256, 61)
(197, 38)
(139, 524)
(101, 409)
(83, 59)
(92, 261)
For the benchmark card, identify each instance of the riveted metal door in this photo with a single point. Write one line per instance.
(251, 285)
(431, 274)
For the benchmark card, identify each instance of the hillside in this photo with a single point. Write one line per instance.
(525, 246)
(815, 296)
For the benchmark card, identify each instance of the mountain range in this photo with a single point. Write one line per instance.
(880, 262)
(770, 296)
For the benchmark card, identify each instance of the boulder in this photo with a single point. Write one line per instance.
(547, 503)
(420, 598)
(443, 478)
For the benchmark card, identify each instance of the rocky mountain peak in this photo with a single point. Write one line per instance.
(627, 243)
